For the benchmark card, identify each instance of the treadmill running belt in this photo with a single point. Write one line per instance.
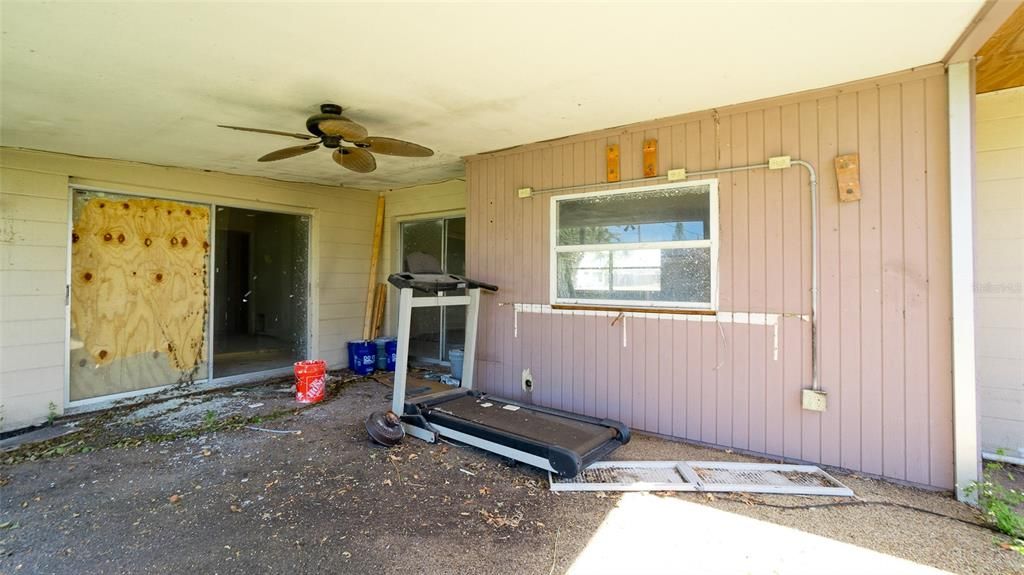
(563, 442)
(578, 436)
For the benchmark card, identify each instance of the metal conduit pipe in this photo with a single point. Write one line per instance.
(813, 178)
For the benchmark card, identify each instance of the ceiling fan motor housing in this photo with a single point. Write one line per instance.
(327, 112)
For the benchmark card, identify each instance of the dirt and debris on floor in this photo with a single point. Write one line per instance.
(195, 495)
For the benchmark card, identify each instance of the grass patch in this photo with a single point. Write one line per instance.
(1000, 504)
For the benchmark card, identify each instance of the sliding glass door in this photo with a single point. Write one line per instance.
(145, 304)
(260, 284)
(434, 330)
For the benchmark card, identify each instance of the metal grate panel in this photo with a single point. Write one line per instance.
(703, 476)
(626, 476)
(765, 478)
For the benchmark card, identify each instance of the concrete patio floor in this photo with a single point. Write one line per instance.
(205, 498)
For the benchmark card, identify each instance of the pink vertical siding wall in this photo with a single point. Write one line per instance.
(884, 277)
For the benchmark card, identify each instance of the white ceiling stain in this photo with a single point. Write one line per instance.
(150, 82)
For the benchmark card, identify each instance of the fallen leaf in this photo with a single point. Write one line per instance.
(174, 498)
(485, 490)
(236, 509)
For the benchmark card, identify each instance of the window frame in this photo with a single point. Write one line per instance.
(711, 242)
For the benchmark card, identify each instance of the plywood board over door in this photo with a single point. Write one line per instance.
(139, 293)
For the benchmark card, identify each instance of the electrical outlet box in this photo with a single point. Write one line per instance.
(814, 400)
(779, 162)
(525, 192)
(527, 380)
(679, 174)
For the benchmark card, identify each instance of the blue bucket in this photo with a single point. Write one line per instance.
(362, 356)
(391, 349)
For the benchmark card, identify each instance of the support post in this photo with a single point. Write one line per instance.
(402, 353)
(469, 347)
(967, 456)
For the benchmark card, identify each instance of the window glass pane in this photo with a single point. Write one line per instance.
(637, 258)
(673, 214)
(669, 275)
(594, 259)
(455, 246)
(636, 279)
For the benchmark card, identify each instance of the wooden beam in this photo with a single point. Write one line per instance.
(371, 284)
(989, 18)
(1001, 58)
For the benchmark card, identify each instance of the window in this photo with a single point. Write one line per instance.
(654, 246)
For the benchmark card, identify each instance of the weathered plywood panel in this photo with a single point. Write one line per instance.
(139, 293)
(731, 380)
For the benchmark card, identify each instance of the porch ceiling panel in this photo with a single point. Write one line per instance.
(149, 82)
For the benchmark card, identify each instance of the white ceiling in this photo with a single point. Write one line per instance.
(149, 82)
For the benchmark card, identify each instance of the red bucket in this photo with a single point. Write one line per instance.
(309, 380)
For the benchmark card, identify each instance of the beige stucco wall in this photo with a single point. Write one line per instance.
(34, 206)
(1000, 269)
(408, 204)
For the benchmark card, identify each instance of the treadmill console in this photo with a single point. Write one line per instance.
(436, 283)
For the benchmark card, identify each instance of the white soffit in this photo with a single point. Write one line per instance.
(149, 82)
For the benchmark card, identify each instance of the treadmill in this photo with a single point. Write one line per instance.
(558, 441)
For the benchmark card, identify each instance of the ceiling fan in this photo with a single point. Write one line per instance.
(332, 130)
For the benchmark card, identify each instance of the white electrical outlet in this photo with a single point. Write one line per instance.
(525, 192)
(779, 162)
(814, 400)
(527, 380)
(678, 174)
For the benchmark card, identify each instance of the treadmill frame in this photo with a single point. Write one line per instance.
(405, 305)
(430, 431)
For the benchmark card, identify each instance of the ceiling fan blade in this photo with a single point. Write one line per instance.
(275, 132)
(289, 152)
(393, 147)
(355, 159)
(343, 128)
